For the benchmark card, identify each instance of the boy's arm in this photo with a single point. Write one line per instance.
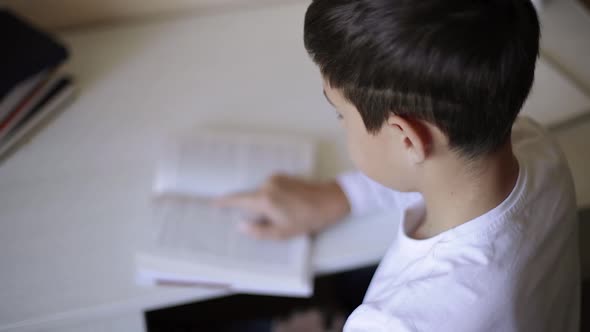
(286, 206)
(366, 196)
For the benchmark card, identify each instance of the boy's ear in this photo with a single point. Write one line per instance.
(415, 137)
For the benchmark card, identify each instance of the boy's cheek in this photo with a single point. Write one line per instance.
(368, 160)
(356, 152)
(375, 155)
(384, 169)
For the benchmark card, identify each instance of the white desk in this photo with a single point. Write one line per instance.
(73, 203)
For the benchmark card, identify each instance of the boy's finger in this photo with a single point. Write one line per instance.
(261, 230)
(249, 201)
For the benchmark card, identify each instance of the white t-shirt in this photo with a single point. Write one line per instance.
(515, 268)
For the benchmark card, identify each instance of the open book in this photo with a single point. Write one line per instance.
(197, 244)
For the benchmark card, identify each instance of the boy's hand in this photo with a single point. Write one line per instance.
(288, 206)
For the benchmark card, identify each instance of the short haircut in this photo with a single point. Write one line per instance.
(466, 66)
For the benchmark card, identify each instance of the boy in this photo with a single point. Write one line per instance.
(428, 93)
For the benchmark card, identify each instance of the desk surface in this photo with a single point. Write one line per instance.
(74, 202)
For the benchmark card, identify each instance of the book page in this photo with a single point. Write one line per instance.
(214, 164)
(191, 228)
(206, 165)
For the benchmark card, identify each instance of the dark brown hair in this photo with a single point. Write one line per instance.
(466, 66)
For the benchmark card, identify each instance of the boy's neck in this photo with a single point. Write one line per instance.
(455, 193)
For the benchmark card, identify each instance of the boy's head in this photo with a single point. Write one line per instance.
(414, 79)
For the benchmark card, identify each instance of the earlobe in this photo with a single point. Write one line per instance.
(415, 149)
(415, 137)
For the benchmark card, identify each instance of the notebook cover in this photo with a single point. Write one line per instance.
(26, 51)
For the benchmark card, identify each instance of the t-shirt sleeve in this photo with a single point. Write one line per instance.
(440, 303)
(367, 196)
(366, 318)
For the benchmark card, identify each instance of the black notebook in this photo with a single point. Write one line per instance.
(26, 51)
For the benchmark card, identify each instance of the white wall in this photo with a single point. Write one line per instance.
(65, 13)
(566, 42)
(566, 37)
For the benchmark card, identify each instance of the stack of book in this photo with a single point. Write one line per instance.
(33, 86)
